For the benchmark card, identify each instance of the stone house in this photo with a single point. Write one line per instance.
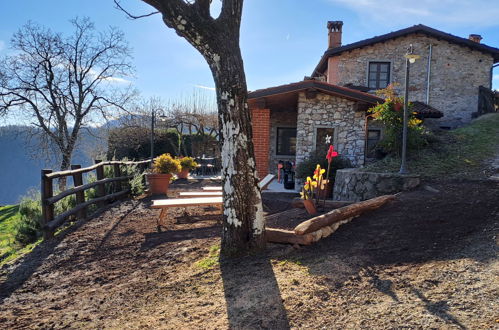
(291, 121)
(447, 76)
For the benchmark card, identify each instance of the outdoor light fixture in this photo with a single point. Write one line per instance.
(410, 58)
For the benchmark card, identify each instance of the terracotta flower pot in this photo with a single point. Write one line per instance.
(183, 174)
(310, 206)
(327, 191)
(158, 183)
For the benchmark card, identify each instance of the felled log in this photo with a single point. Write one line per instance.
(340, 214)
(275, 235)
(298, 203)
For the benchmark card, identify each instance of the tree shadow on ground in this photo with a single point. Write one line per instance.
(187, 218)
(152, 240)
(440, 308)
(252, 302)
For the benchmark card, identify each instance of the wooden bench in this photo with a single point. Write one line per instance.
(198, 199)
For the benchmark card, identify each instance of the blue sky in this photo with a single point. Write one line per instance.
(281, 40)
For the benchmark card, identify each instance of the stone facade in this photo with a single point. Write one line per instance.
(456, 73)
(354, 185)
(330, 111)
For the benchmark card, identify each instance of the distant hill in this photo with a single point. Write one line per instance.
(19, 172)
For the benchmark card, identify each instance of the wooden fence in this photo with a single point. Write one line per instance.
(50, 221)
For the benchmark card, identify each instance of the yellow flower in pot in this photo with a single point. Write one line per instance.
(187, 164)
(162, 172)
(307, 194)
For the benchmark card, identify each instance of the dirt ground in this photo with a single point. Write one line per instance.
(426, 260)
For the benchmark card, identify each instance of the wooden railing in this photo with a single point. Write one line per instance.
(50, 221)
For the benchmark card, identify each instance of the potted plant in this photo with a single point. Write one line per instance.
(308, 193)
(161, 175)
(309, 164)
(187, 164)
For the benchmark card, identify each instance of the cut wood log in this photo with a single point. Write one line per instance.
(316, 235)
(298, 203)
(340, 214)
(326, 231)
(275, 235)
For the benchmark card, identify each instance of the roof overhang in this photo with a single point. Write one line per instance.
(311, 87)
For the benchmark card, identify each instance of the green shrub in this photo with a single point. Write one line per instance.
(391, 114)
(136, 184)
(188, 163)
(27, 228)
(308, 165)
(135, 142)
(166, 164)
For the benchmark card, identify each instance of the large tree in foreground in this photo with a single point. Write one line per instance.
(63, 83)
(217, 39)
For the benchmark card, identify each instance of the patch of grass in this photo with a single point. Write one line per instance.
(459, 152)
(212, 260)
(9, 249)
(8, 217)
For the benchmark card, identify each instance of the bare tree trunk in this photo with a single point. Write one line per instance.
(244, 223)
(218, 41)
(65, 162)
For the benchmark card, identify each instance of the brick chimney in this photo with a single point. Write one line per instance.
(475, 37)
(334, 34)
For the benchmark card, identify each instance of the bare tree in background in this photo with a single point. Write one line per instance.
(217, 39)
(194, 114)
(64, 83)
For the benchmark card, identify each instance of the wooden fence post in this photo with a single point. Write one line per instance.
(80, 195)
(100, 189)
(47, 191)
(117, 173)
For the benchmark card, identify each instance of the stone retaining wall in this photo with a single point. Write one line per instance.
(353, 185)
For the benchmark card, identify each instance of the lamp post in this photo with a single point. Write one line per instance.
(153, 114)
(410, 58)
(153, 121)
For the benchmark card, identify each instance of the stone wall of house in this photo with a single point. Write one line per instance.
(279, 119)
(354, 185)
(456, 72)
(330, 111)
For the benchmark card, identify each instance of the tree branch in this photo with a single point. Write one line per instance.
(130, 16)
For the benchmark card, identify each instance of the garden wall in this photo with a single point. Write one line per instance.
(354, 185)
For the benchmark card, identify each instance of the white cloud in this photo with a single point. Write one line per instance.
(117, 80)
(205, 87)
(446, 12)
(112, 80)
